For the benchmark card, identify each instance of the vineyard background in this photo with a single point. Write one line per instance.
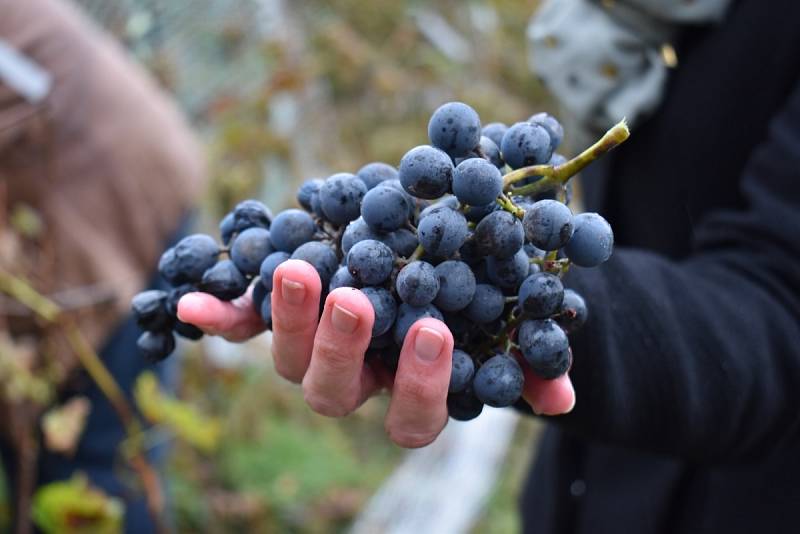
(281, 91)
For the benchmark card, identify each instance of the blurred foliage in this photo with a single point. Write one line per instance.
(327, 87)
(179, 417)
(73, 507)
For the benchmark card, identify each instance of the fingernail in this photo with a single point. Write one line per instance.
(293, 292)
(344, 320)
(428, 344)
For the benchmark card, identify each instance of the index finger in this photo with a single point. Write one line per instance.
(235, 320)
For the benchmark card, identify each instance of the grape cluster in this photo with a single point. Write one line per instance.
(444, 235)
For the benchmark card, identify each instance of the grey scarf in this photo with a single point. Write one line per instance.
(608, 60)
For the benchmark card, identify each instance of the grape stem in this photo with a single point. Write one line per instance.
(554, 176)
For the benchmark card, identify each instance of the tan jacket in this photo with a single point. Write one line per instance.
(106, 159)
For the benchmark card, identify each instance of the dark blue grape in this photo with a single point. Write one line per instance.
(426, 172)
(403, 242)
(525, 144)
(464, 406)
(384, 208)
(448, 202)
(374, 173)
(508, 273)
(370, 262)
(316, 205)
(250, 213)
(573, 312)
(150, 310)
(499, 381)
(459, 326)
(553, 127)
(266, 310)
(410, 200)
(268, 267)
(486, 150)
(259, 294)
(227, 228)
(462, 372)
(385, 309)
(321, 257)
(477, 213)
(533, 251)
(545, 347)
(224, 280)
(342, 278)
(155, 346)
(356, 231)
(407, 315)
(487, 304)
(290, 229)
(499, 234)
(380, 342)
(442, 232)
(417, 283)
(189, 259)
(477, 182)
(541, 295)
(249, 249)
(455, 128)
(548, 224)
(174, 296)
(340, 197)
(456, 286)
(306, 189)
(495, 132)
(189, 331)
(592, 241)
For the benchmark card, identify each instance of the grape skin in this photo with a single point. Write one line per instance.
(455, 128)
(553, 127)
(495, 132)
(189, 259)
(508, 273)
(525, 144)
(462, 371)
(456, 286)
(498, 382)
(541, 295)
(426, 172)
(385, 309)
(155, 346)
(592, 241)
(370, 262)
(250, 248)
(224, 281)
(487, 304)
(342, 278)
(384, 209)
(407, 315)
(499, 234)
(376, 172)
(442, 232)
(573, 312)
(477, 182)
(340, 197)
(548, 224)
(306, 190)
(268, 267)
(290, 229)
(417, 283)
(321, 257)
(545, 347)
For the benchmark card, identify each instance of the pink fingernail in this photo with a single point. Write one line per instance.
(428, 344)
(293, 292)
(343, 319)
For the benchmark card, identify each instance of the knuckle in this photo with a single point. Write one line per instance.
(410, 439)
(326, 406)
(335, 357)
(420, 392)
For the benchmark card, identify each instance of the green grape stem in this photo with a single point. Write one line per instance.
(559, 175)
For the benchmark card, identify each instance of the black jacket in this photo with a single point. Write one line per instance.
(688, 372)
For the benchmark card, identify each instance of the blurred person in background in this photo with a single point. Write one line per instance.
(688, 371)
(90, 143)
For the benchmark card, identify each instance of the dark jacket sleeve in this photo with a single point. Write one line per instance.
(701, 358)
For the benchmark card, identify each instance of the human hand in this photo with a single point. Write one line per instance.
(326, 354)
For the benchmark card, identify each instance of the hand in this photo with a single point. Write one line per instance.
(326, 354)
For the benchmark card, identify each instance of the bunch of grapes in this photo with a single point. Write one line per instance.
(444, 235)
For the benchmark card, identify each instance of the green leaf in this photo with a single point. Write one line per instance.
(74, 507)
